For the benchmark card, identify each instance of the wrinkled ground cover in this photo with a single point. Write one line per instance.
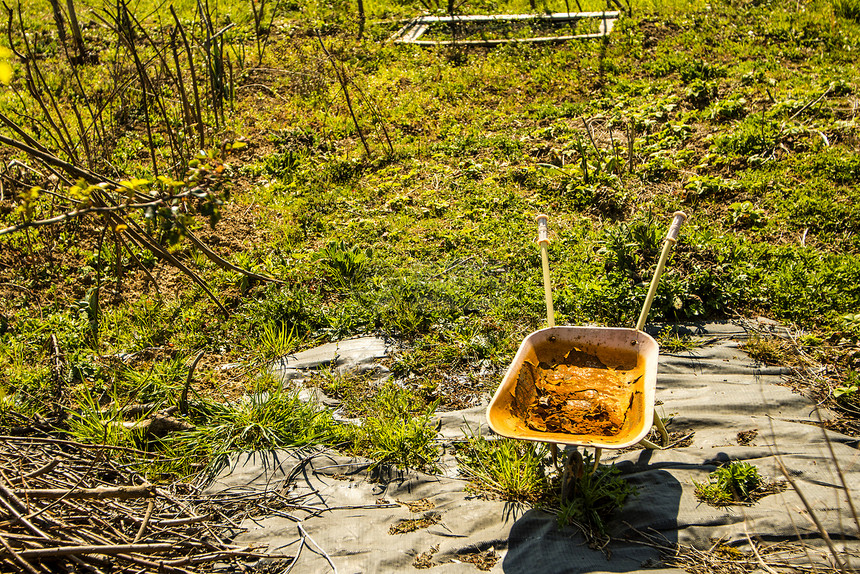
(741, 114)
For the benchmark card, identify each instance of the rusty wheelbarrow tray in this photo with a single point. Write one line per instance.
(602, 380)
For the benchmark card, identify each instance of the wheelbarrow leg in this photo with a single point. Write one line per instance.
(664, 435)
(597, 453)
(574, 468)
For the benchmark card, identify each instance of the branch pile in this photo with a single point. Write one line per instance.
(70, 507)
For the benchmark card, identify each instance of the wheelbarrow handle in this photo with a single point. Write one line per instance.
(543, 241)
(671, 238)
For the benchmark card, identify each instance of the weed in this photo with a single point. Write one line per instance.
(848, 393)
(764, 350)
(755, 137)
(700, 92)
(277, 340)
(627, 246)
(733, 483)
(395, 436)
(88, 309)
(851, 324)
(709, 187)
(346, 265)
(696, 69)
(743, 214)
(293, 307)
(594, 498)
(728, 109)
(512, 469)
(604, 200)
(809, 340)
(670, 341)
(659, 167)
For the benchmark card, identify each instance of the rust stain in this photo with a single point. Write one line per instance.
(579, 396)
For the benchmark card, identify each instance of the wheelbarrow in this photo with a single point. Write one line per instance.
(583, 386)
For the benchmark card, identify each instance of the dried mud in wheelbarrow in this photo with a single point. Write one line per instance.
(585, 386)
(573, 399)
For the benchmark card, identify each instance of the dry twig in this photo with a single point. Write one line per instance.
(67, 507)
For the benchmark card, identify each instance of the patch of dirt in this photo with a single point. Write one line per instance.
(680, 439)
(238, 230)
(581, 400)
(846, 426)
(56, 266)
(655, 31)
(482, 560)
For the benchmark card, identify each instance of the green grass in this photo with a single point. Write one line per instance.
(398, 430)
(269, 417)
(511, 469)
(740, 114)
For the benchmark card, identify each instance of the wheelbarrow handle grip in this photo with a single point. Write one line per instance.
(679, 217)
(543, 234)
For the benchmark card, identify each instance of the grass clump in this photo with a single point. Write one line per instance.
(734, 483)
(270, 417)
(277, 341)
(398, 432)
(765, 350)
(91, 423)
(672, 342)
(512, 469)
(345, 264)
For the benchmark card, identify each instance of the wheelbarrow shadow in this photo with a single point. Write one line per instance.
(537, 544)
